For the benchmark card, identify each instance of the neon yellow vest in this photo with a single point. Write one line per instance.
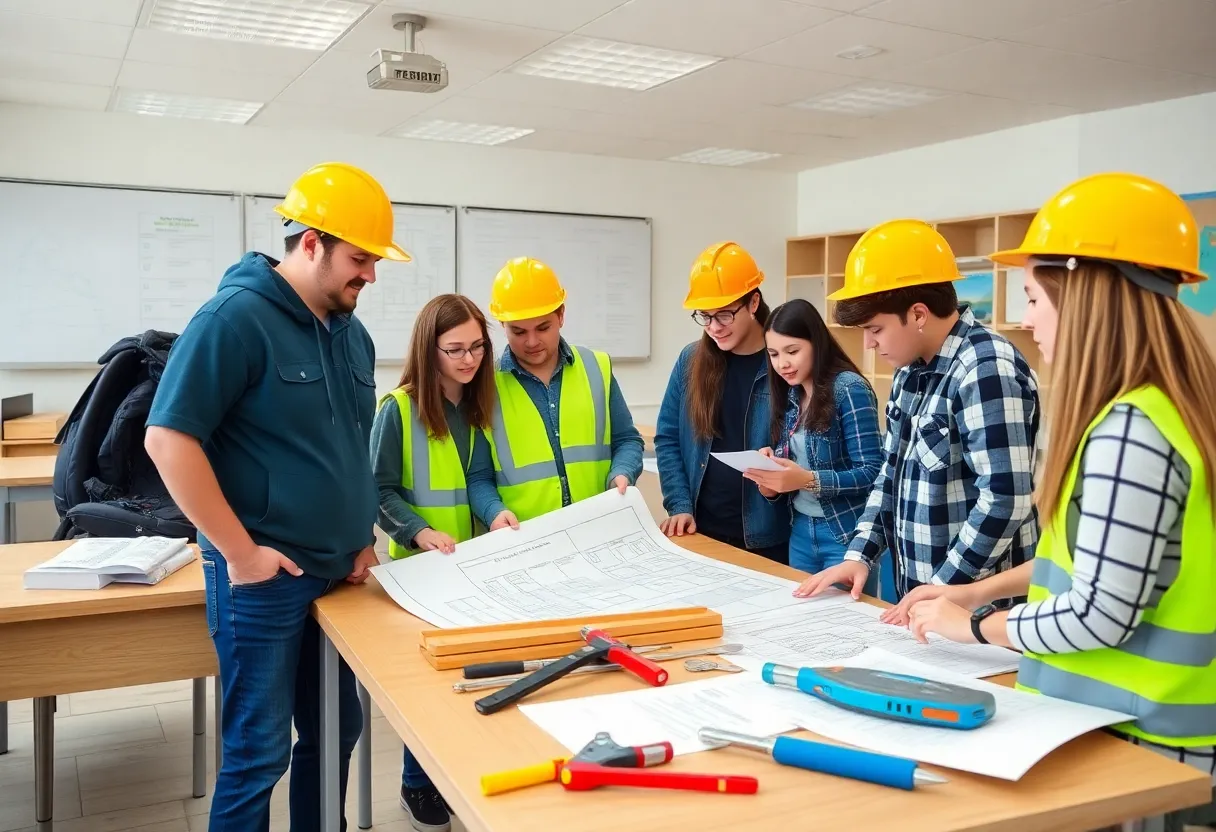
(524, 466)
(433, 479)
(1165, 674)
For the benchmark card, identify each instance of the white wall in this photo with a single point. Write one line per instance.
(691, 205)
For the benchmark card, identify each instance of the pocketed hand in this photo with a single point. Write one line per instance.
(261, 564)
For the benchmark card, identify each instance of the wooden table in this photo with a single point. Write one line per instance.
(23, 479)
(1094, 781)
(58, 642)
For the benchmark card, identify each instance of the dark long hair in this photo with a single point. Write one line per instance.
(708, 374)
(800, 319)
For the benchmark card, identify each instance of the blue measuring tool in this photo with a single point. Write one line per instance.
(889, 695)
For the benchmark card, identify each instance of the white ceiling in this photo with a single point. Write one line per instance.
(994, 64)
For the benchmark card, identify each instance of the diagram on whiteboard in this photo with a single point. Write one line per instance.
(602, 555)
(178, 271)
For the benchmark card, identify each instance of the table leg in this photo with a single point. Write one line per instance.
(3, 727)
(365, 760)
(8, 523)
(44, 762)
(219, 729)
(331, 812)
(1155, 823)
(200, 737)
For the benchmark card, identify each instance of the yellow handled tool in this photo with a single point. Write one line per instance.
(535, 775)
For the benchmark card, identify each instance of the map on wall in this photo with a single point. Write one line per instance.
(1202, 296)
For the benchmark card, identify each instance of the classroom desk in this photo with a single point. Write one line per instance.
(1094, 781)
(57, 642)
(23, 479)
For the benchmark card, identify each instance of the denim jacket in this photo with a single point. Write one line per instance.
(846, 457)
(682, 456)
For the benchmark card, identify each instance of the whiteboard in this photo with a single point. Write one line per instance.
(387, 307)
(86, 266)
(603, 263)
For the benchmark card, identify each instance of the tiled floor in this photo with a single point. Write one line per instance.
(123, 764)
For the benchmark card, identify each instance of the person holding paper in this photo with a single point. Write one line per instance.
(427, 443)
(717, 401)
(1120, 610)
(953, 498)
(260, 428)
(560, 431)
(826, 439)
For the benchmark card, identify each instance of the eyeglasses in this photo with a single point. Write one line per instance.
(724, 317)
(456, 354)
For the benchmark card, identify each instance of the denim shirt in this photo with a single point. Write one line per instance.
(846, 457)
(682, 456)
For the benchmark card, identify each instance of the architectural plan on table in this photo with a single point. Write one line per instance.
(601, 555)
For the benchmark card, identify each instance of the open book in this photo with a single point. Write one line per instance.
(93, 562)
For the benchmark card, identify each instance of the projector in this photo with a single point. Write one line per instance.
(407, 72)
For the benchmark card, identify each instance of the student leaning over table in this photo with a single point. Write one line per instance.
(953, 498)
(717, 400)
(1120, 611)
(427, 440)
(259, 429)
(560, 431)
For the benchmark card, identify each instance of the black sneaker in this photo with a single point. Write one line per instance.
(426, 808)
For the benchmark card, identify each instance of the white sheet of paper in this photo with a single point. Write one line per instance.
(673, 713)
(743, 460)
(601, 555)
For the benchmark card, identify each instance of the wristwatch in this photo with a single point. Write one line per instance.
(976, 617)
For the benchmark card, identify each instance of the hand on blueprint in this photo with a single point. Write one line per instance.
(940, 616)
(431, 540)
(620, 483)
(364, 561)
(503, 520)
(851, 575)
(678, 524)
(963, 595)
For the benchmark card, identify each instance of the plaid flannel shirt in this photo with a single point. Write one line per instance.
(953, 498)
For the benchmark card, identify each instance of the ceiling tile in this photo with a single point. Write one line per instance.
(794, 164)
(510, 86)
(838, 5)
(569, 141)
(706, 27)
(1176, 35)
(240, 86)
(24, 64)
(540, 117)
(979, 18)
(153, 46)
(958, 116)
(365, 120)
(54, 94)
(562, 16)
(905, 45)
(52, 34)
(118, 12)
(798, 120)
(341, 78)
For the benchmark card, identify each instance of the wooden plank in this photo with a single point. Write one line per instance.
(477, 633)
(34, 426)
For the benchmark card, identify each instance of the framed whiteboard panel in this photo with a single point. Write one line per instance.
(604, 263)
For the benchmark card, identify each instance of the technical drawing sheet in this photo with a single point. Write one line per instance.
(601, 555)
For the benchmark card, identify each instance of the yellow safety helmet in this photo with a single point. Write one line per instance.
(895, 255)
(721, 274)
(346, 202)
(1118, 217)
(525, 288)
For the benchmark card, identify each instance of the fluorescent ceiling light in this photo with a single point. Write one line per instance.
(868, 99)
(302, 24)
(722, 156)
(456, 131)
(612, 64)
(148, 103)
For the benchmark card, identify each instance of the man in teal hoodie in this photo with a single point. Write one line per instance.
(260, 430)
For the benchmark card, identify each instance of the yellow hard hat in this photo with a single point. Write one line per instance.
(525, 288)
(722, 273)
(895, 255)
(344, 201)
(1114, 216)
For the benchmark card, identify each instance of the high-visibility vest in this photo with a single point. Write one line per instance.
(524, 466)
(433, 478)
(1165, 674)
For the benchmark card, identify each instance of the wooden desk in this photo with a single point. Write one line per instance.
(54, 642)
(1093, 781)
(23, 479)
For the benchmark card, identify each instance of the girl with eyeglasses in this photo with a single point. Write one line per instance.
(428, 448)
(717, 400)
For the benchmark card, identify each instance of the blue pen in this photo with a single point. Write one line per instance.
(830, 759)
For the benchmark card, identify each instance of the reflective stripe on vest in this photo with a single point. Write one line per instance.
(524, 465)
(1165, 673)
(433, 480)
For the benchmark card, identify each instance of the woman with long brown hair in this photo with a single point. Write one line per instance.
(717, 400)
(433, 467)
(1121, 609)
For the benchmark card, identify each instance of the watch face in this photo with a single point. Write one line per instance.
(983, 611)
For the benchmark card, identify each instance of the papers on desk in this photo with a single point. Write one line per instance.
(94, 562)
(745, 460)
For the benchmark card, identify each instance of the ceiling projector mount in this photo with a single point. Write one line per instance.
(407, 71)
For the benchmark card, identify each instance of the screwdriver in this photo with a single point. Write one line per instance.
(829, 759)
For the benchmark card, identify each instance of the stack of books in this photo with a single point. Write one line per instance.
(94, 562)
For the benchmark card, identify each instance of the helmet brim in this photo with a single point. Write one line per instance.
(526, 314)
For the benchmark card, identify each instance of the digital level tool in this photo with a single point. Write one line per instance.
(889, 695)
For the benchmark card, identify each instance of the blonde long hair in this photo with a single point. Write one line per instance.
(1141, 338)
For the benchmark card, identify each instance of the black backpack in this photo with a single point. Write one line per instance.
(105, 484)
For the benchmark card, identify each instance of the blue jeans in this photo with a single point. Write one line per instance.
(412, 775)
(814, 548)
(268, 645)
